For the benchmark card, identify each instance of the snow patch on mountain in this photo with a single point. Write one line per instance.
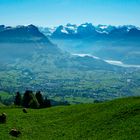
(64, 31)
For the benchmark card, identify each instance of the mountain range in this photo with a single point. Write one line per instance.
(23, 41)
(89, 30)
(119, 43)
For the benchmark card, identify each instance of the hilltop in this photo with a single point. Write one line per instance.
(117, 119)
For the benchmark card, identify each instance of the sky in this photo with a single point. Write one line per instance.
(60, 12)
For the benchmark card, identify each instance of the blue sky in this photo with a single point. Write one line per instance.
(56, 12)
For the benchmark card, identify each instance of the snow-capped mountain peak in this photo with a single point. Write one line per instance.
(86, 30)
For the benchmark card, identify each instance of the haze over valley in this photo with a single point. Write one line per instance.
(71, 63)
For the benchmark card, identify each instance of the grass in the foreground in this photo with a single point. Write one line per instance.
(114, 120)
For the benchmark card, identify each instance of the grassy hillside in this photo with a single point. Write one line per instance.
(1, 105)
(114, 120)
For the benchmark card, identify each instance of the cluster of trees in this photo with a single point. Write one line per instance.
(31, 100)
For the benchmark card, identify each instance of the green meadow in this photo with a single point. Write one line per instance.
(113, 120)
